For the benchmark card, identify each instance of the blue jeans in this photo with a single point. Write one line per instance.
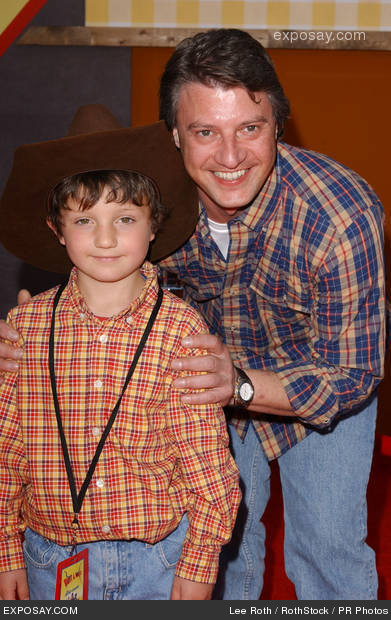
(324, 481)
(118, 570)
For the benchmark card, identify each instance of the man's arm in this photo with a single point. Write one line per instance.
(269, 394)
(9, 354)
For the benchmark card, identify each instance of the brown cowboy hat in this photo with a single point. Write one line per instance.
(95, 141)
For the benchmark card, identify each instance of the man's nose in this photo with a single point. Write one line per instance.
(230, 153)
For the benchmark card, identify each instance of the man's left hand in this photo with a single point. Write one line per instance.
(218, 382)
(186, 590)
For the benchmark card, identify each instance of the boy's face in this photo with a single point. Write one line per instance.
(109, 241)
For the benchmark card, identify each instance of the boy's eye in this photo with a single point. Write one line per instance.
(83, 220)
(126, 219)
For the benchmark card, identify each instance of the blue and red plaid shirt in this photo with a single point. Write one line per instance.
(301, 292)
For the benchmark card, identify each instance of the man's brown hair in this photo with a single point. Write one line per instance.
(225, 57)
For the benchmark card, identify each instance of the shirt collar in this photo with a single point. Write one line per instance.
(146, 299)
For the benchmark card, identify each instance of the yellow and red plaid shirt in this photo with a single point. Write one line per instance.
(161, 459)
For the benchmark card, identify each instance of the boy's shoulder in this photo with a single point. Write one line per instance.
(39, 305)
(176, 310)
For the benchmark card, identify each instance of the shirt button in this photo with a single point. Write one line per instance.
(103, 338)
(100, 483)
(129, 320)
(98, 383)
(95, 431)
(82, 316)
(106, 529)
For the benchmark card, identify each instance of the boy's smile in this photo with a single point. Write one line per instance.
(108, 244)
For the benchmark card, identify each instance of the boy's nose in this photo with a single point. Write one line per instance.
(105, 237)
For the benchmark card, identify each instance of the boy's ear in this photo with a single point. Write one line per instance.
(176, 138)
(59, 237)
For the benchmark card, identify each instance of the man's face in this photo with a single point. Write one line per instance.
(228, 143)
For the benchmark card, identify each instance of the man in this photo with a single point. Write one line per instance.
(286, 265)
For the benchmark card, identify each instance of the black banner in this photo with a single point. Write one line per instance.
(187, 610)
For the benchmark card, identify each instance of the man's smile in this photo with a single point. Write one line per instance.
(230, 176)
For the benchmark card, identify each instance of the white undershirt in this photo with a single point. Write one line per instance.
(220, 234)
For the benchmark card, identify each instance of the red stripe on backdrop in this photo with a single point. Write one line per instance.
(19, 22)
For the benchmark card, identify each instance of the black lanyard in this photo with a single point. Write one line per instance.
(77, 499)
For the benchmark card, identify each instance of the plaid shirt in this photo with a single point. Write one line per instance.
(161, 459)
(301, 292)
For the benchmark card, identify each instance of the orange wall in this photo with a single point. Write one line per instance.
(341, 103)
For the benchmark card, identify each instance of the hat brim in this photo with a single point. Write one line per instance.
(37, 169)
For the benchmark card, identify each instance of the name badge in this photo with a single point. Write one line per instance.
(72, 578)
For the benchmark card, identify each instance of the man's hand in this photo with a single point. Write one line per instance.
(9, 355)
(218, 381)
(13, 585)
(186, 590)
(23, 297)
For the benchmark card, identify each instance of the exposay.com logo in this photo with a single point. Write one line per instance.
(325, 36)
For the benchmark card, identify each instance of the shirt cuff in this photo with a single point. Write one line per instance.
(11, 554)
(197, 563)
(310, 394)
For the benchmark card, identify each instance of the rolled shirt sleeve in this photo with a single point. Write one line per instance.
(347, 336)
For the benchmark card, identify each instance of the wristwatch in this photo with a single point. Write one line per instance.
(244, 389)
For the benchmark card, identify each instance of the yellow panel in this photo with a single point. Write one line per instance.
(368, 14)
(345, 15)
(301, 14)
(255, 14)
(210, 12)
(232, 13)
(187, 12)
(9, 10)
(323, 14)
(386, 16)
(278, 14)
(119, 11)
(97, 12)
(143, 12)
(340, 14)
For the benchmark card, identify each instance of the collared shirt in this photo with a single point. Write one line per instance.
(162, 458)
(301, 292)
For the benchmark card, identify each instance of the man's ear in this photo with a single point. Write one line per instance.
(176, 138)
(59, 237)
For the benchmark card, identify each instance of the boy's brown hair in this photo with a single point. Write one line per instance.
(87, 188)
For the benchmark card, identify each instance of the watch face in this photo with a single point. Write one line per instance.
(246, 391)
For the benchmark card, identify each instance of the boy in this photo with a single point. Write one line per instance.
(123, 491)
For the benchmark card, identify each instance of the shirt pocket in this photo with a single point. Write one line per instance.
(283, 300)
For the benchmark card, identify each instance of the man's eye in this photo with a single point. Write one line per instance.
(205, 133)
(251, 128)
